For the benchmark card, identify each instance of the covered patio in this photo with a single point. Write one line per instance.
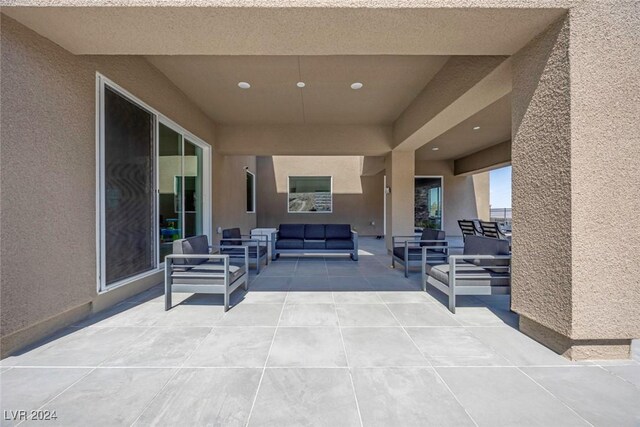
(315, 341)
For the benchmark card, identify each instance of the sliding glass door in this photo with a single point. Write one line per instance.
(129, 203)
(153, 187)
(428, 202)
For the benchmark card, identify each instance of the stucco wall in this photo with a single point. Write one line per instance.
(357, 200)
(48, 176)
(576, 197)
(229, 195)
(464, 197)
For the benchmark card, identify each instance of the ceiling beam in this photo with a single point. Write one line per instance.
(494, 157)
(303, 140)
(464, 86)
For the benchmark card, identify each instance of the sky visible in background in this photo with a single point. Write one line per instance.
(500, 187)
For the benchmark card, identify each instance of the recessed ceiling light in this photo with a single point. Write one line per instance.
(356, 85)
(476, 127)
(244, 85)
(435, 148)
(300, 85)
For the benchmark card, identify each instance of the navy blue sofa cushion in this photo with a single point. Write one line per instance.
(291, 231)
(339, 244)
(289, 244)
(338, 231)
(314, 244)
(314, 231)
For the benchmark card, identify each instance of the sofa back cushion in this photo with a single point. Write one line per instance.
(429, 234)
(338, 231)
(197, 245)
(480, 245)
(231, 233)
(291, 231)
(314, 231)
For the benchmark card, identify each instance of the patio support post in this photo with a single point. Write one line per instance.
(400, 171)
(576, 157)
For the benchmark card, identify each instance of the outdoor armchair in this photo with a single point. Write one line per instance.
(407, 250)
(484, 268)
(258, 246)
(193, 269)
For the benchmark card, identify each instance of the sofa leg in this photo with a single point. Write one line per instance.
(226, 300)
(406, 269)
(257, 266)
(452, 303)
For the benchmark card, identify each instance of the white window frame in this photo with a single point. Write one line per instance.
(101, 82)
(309, 176)
(253, 195)
(441, 177)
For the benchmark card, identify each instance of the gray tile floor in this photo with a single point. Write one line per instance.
(316, 341)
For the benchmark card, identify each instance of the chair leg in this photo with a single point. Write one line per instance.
(226, 301)
(393, 262)
(167, 288)
(406, 269)
(452, 303)
(246, 283)
(257, 264)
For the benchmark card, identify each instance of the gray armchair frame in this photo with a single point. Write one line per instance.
(457, 272)
(203, 271)
(413, 240)
(251, 241)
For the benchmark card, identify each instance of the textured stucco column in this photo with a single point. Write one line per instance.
(576, 186)
(400, 170)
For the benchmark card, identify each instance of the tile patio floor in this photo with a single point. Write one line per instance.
(316, 341)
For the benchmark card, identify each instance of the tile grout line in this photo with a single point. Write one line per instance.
(553, 395)
(434, 369)
(59, 394)
(264, 368)
(164, 386)
(346, 358)
(618, 376)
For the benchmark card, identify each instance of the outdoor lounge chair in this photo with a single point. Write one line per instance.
(193, 269)
(491, 229)
(484, 268)
(233, 241)
(408, 250)
(469, 228)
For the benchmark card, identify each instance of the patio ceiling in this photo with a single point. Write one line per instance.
(494, 124)
(390, 83)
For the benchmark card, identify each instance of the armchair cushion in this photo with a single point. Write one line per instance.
(291, 231)
(487, 277)
(480, 245)
(338, 231)
(231, 233)
(339, 244)
(193, 276)
(197, 245)
(314, 231)
(430, 234)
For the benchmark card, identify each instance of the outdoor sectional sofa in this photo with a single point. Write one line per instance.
(314, 238)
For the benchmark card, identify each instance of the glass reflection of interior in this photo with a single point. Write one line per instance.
(428, 202)
(192, 184)
(170, 194)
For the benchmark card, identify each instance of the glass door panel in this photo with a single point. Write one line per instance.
(129, 245)
(170, 214)
(192, 185)
(428, 202)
